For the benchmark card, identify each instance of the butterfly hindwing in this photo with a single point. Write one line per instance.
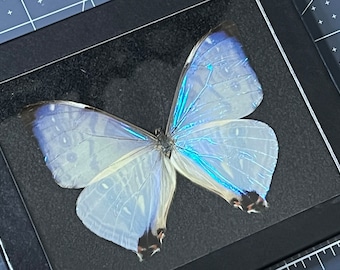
(230, 157)
(127, 204)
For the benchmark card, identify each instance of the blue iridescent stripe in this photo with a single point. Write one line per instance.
(215, 175)
(181, 101)
(134, 133)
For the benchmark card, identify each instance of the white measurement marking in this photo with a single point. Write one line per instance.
(310, 255)
(6, 256)
(320, 262)
(333, 251)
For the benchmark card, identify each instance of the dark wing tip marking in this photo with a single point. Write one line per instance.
(251, 202)
(228, 27)
(150, 244)
(28, 115)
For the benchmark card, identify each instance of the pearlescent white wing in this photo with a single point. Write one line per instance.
(79, 142)
(129, 183)
(131, 202)
(217, 83)
(231, 158)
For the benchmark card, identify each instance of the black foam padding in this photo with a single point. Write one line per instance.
(20, 242)
(59, 40)
(135, 77)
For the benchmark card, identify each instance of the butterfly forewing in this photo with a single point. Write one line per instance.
(79, 142)
(217, 83)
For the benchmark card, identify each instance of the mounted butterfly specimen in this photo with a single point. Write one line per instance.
(129, 174)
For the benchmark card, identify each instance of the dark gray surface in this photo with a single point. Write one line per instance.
(134, 78)
(69, 36)
(325, 256)
(272, 247)
(16, 231)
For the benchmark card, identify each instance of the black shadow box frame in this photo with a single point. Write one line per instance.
(134, 77)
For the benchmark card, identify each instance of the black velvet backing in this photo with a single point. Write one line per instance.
(134, 77)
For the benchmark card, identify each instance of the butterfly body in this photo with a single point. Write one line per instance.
(129, 174)
(165, 143)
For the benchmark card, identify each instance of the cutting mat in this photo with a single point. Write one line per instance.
(19, 17)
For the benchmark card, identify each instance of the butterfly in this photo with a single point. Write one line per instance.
(129, 174)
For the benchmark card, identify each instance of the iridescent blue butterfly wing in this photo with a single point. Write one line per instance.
(217, 83)
(79, 141)
(233, 158)
(119, 165)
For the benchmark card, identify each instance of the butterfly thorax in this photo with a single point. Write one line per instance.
(165, 143)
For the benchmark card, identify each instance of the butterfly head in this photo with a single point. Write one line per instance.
(250, 202)
(149, 244)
